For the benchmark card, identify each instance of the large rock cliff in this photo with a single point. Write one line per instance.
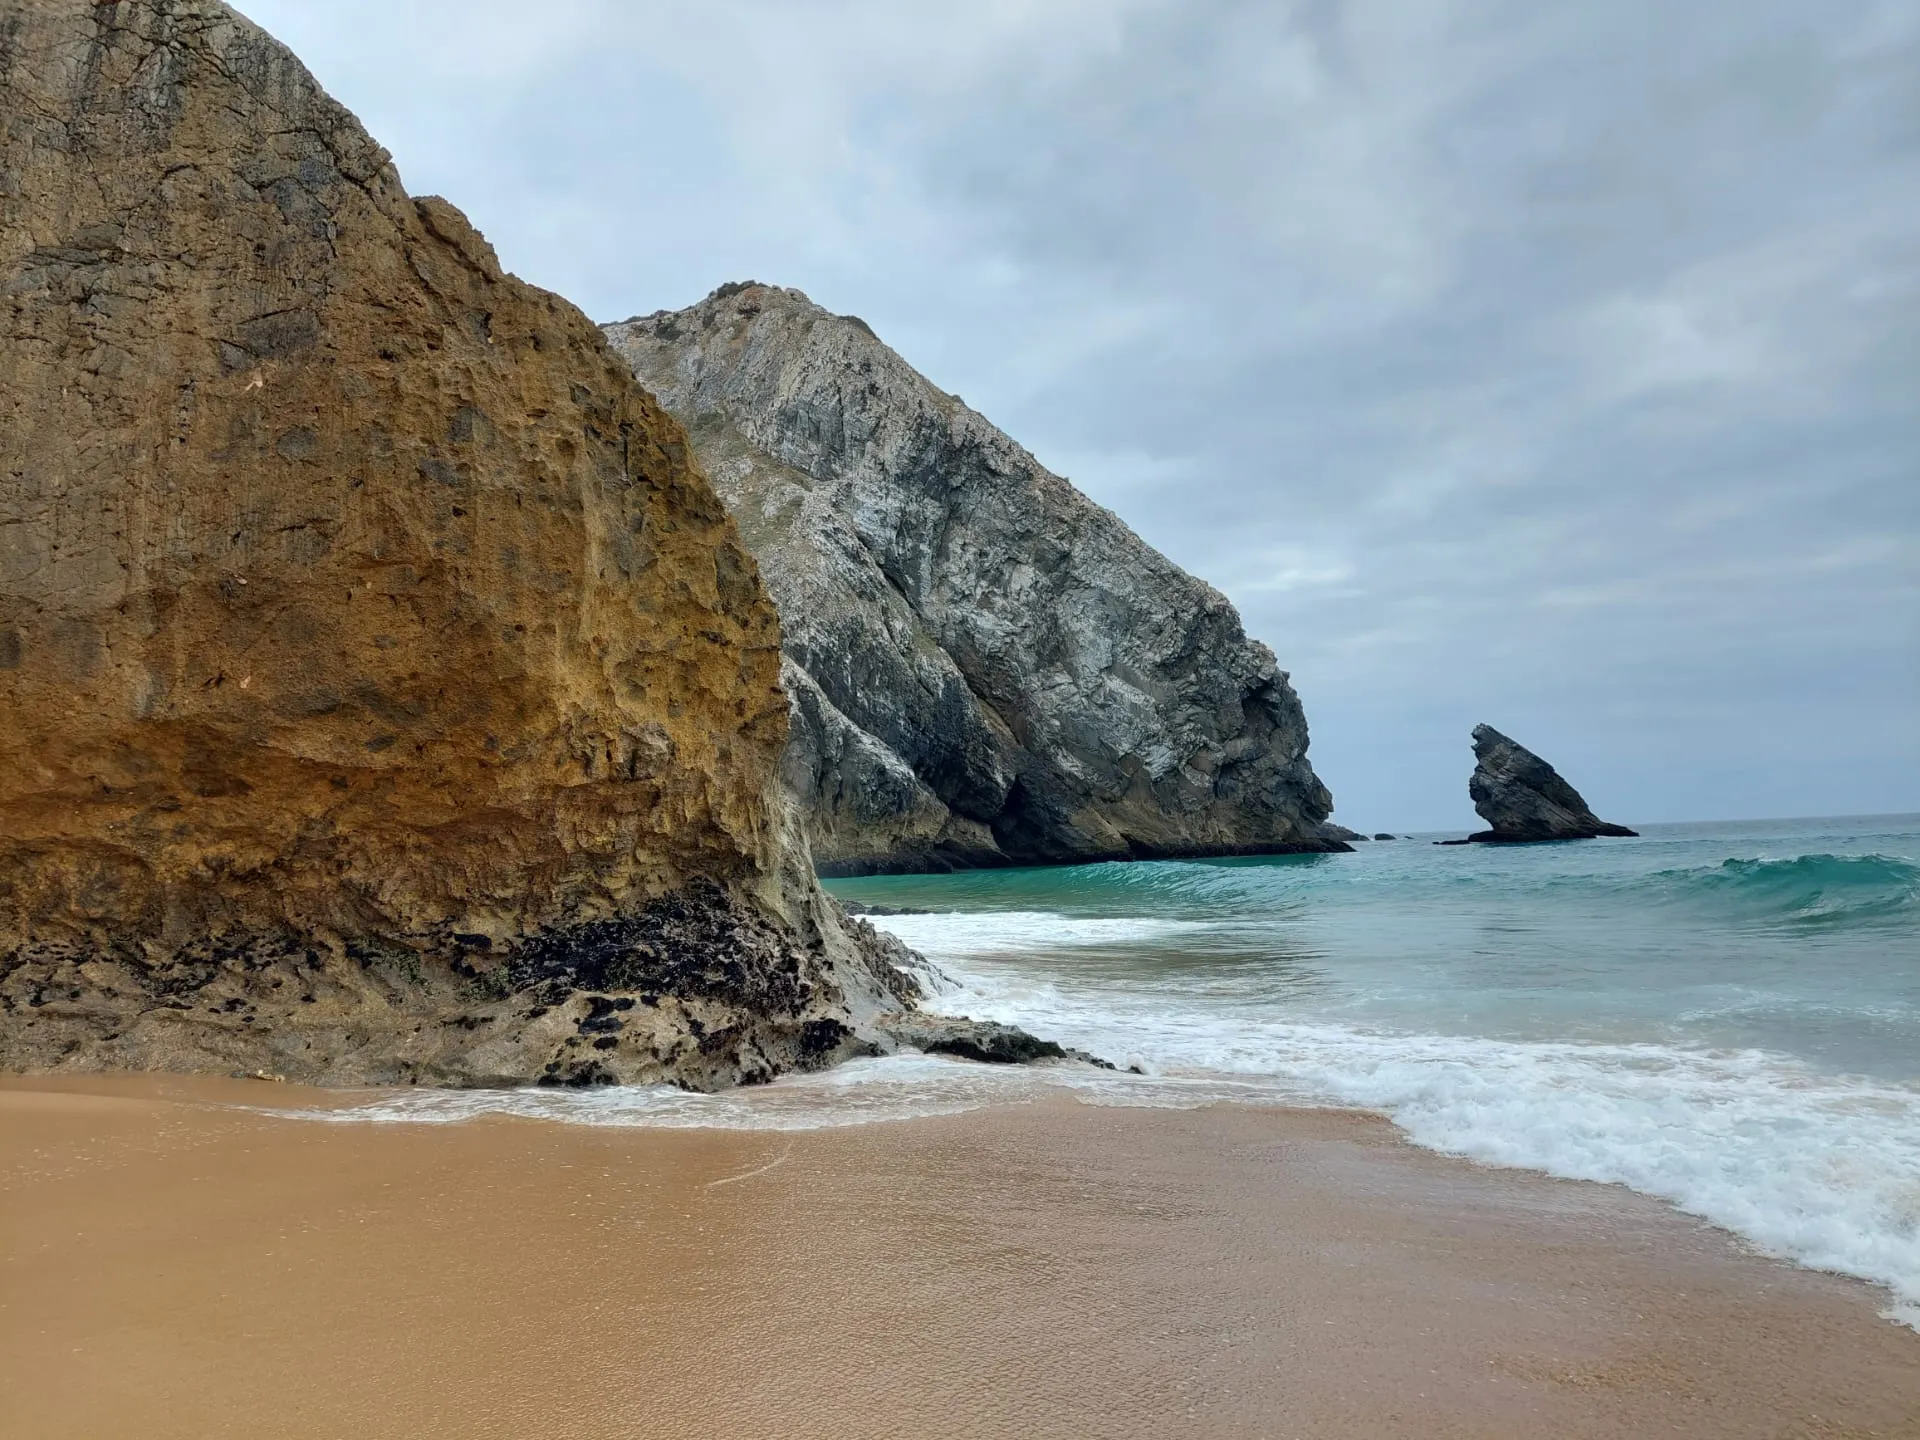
(384, 696)
(986, 667)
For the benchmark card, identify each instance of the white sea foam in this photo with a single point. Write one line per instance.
(1808, 1166)
(863, 1092)
(1820, 1169)
(897, 1088)
(963, 933)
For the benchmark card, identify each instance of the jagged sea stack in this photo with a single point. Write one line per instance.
(383, 695)
(1523, 797)
(986, 667)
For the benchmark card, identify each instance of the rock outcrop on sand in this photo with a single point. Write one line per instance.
(986, 667)
(384, 696)
(1523, 797)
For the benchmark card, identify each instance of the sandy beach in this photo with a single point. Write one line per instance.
(174, 1266)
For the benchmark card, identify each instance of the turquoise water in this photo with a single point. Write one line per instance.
(1796, 936)
(1726, 1016)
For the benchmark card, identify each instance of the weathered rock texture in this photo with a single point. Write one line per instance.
(986, 667)
(383, 694)
(1523, 797)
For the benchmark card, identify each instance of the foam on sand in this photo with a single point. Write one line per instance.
(1820, 1169)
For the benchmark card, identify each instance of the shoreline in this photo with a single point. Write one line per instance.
(915, 866)
(176, 1266)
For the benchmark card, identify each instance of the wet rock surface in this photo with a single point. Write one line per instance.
(986, 1042)
(382, 689)
(1524, 799)
(694, 991)
(985, 667)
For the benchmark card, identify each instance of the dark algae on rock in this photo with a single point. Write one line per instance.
(982, 1041)
(986, 667)
(384, 695)
(1524, 799)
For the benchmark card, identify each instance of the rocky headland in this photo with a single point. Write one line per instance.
(1524, 799)
(385, 697)
(986, 668)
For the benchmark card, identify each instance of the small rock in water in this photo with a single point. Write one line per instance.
(981, 1040)
(1523, 797)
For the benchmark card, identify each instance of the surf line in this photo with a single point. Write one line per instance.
(773, 1164)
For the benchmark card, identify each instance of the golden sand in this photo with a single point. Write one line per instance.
(171, 1266)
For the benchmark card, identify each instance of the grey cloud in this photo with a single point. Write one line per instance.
(1550, 365)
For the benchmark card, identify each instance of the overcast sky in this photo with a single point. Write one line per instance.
(1553, 363)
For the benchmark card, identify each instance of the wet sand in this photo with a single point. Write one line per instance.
(172, 1267)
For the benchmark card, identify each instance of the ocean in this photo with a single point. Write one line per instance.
(1726, 1016)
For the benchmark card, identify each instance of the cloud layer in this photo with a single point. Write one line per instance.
(1557, 366)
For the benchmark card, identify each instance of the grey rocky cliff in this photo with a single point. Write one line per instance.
(985, 667)
(1524, 799)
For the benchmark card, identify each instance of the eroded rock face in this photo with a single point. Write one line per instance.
(1523, 797)
(368, 642)
(987, 668)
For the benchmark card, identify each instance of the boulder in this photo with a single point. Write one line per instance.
(1524, 799)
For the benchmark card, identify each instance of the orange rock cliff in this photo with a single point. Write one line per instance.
(384, 695)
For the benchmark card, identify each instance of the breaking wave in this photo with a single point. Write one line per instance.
(1808, 889)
